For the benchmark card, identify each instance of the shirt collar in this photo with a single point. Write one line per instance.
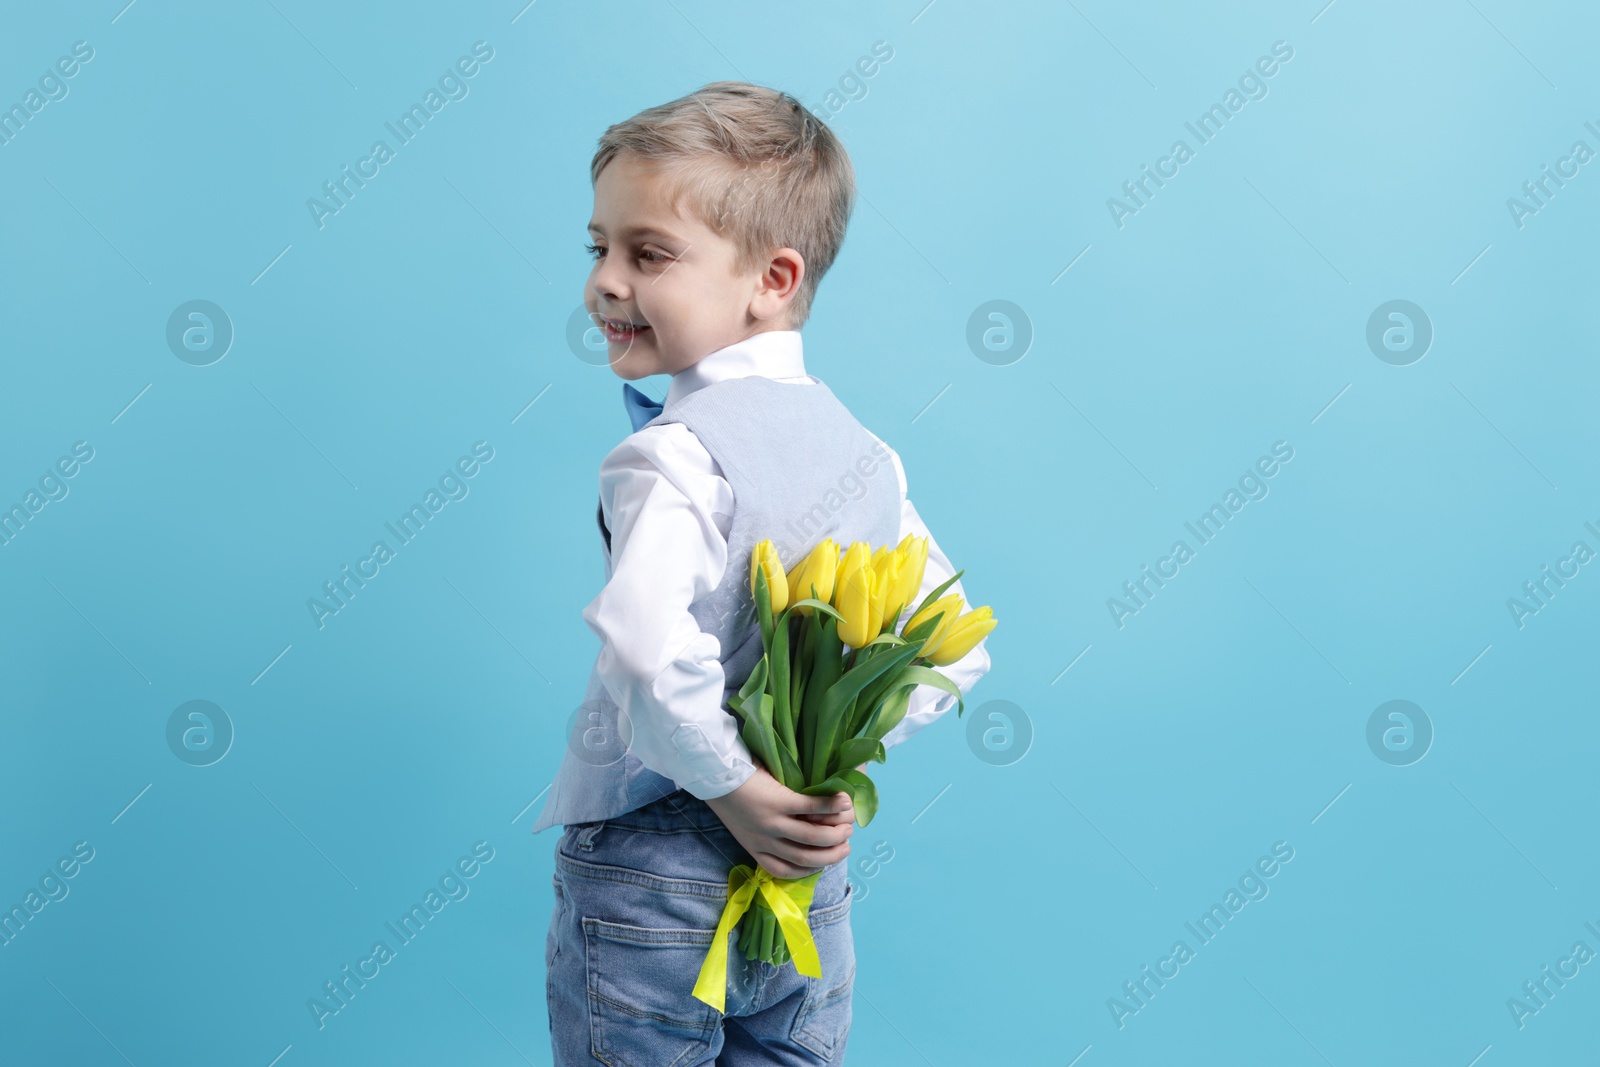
(771, 354)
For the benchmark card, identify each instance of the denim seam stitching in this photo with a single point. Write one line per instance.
(804, 1033)
(698, 1024)
(670, 935)
(685, 886)
(676, 886)
(616, 824)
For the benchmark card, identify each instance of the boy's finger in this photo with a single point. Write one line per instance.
(782, 868)
(823, 804)
(809, 858)
(807, 832)
(826, 816)
(832, 818)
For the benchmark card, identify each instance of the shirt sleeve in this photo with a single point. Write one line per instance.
(669, 511)
(927, 702)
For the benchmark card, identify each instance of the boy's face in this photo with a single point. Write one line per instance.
(669, 280)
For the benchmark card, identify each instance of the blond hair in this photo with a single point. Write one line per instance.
(755, 166)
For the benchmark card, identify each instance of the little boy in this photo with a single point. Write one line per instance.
(715, 216)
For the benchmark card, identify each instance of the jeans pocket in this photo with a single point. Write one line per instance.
(552, 941)
(641, 1009)
(560, 915)
(823, 1023)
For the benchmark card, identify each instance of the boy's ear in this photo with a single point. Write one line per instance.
(778, 284)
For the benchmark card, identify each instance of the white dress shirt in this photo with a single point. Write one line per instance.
(669, 510)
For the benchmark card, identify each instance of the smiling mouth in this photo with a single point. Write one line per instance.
(620, 331)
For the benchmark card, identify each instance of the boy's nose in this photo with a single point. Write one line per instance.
(608, 284)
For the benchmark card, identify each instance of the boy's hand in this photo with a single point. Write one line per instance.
(838, 818)
(790, 834)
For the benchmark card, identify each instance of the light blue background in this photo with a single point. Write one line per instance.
(1229, 714)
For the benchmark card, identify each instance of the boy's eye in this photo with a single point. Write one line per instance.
(651, 257)
(594, 250)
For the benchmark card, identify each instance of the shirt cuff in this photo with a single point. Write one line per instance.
(722, 774)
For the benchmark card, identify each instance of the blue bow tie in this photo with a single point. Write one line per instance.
(641, 409)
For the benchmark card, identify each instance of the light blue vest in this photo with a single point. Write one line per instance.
(802, 469)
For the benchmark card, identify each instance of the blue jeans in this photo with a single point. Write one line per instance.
(637, 902)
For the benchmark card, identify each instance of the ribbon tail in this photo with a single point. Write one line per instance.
(789, 901)
(711, 986)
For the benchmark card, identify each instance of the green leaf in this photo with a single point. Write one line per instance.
(858, 750)
(885, 638)
(864, 796)
(937, 593)
(817, 605)
(797, 685)
(834, 783)
(874, 694)
(888, 714)
(867, 703)
(912, 677)
(855, 719)
(771, 746)
(826, 663)
(755, 683)
(918, 635)
(804, 668)
(758, 738)
(763, 596)
(763, 743)
(836, 703)
(743, 702)
(863, 793)
(778, 653)
(929, 676)
(792, 775)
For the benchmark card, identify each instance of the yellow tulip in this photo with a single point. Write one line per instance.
(851, 557)
(914, 561)
(950, 605)
(764, 557)
(817, 570)
(853, 595)
(887, 569)
(961, 638)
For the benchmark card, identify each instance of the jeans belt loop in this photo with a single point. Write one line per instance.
(585, 836)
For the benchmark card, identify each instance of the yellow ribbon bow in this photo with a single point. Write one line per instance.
(790, 901)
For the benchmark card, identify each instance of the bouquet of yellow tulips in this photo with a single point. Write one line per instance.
(833, 680)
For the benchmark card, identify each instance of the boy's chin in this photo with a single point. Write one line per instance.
(633, 365)
(632, 372)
